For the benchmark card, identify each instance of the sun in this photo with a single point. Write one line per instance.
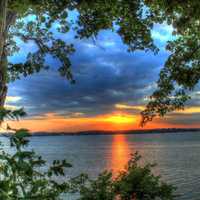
(120, 119)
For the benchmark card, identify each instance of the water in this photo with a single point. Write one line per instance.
(177, 155)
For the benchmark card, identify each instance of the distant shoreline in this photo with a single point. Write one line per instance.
(127, 132)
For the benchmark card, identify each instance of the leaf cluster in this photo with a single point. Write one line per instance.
(39, 22)
(181, 71)
(136, 182)
(22, 176)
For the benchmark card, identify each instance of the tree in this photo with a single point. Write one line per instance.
(28, 20)
(33, 20)
(181, 71)
(21, 174)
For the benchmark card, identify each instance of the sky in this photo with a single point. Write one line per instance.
(112, 88)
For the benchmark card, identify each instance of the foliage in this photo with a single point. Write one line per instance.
(138, 182)
(11, 114)
(21, 176)
(38, 21)
(101, 188)
(181, 71)
(134, 183)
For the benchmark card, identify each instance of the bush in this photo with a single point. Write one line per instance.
(21, 177)
(134, 183)
(139, 183)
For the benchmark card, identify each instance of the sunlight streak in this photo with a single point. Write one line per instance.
(120, 153)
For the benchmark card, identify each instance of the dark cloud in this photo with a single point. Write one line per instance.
(106, 74)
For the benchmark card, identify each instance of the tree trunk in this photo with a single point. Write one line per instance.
(3, 78)
(3, 56)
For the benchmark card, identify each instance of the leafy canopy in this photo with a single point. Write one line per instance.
(22, 177)
(36, 22)
(181, 71)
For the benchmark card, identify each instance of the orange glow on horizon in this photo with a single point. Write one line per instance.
(190, 110)
(52, 122)
(116, 121)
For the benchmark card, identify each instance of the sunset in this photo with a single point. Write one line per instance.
(99, 100)
(118, 117)
(109, 90)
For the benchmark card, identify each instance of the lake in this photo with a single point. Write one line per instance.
(177, 155)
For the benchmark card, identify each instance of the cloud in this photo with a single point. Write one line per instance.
(13, 99)
(162, 33)
(104, 77)
(129, 107)
(108, 80)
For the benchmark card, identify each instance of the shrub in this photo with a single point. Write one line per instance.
(134, 183)
(21, 177)
(139, 183)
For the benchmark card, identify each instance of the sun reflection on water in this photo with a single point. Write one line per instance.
(120, 153)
